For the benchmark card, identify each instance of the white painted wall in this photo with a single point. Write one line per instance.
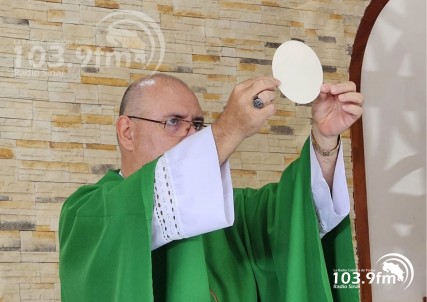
(394, 126)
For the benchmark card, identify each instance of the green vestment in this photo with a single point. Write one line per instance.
(272, 253)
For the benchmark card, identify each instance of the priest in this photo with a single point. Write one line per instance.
(168, 225)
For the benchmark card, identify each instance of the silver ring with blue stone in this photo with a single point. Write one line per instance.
(257, 102)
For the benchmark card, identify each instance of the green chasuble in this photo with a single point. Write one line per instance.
(272, 253)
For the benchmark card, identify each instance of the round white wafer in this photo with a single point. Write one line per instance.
(299, 70)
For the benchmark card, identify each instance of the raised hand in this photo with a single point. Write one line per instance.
(336, 109)
(240, 119)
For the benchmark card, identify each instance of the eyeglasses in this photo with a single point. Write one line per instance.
(175, 126)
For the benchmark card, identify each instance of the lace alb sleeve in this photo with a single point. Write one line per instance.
(193, 194)
(166, 223)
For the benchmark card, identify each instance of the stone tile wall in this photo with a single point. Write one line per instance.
(64, 65)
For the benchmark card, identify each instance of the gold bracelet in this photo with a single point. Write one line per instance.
(325, 152)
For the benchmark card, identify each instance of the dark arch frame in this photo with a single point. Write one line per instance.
(357, 147)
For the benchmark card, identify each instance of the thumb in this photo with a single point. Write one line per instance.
(325, 90)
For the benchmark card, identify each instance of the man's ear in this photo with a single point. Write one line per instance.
(125, 132)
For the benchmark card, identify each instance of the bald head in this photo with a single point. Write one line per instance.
(132, 101)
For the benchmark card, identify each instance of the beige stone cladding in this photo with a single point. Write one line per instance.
(64, 65)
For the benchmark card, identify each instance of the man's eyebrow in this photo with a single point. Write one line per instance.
(199, 118)
(177, 115)
(180, 116)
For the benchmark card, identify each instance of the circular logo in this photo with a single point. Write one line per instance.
(134, 37)
(397, 266)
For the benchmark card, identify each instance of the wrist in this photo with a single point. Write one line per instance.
(226, 140)
(225, 128)
(325, 146)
